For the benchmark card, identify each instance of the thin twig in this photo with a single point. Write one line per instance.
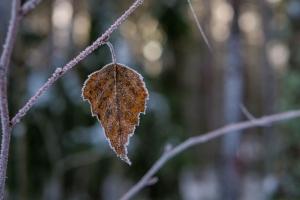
(247, 113)
(4, 62)
(250, 116)
(60, 71)
(200, 29)
(29, 5)
(204, 138)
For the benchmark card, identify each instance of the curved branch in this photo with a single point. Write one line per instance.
(202, 139)
(60, 71)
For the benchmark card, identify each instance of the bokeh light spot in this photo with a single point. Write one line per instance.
(222, 12)
(62, 14)
(273, 2)
(278, 54)
(249, 21)
(82, 26)
(152, 51)
(128, 29)
(220, 32)
(153, 69)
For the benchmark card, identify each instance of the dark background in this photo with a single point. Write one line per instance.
(58, 150)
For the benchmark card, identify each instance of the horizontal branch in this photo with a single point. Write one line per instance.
(60, 71)
(202, 139)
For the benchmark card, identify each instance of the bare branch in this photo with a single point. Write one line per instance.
(29, 5)
(4, 62)
(246, 112)
(202, 139)
(200, 28)
(60, 71)
(250, 116)
(10, 37)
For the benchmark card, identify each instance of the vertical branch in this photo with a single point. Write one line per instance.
(11, 35)
(4, 62)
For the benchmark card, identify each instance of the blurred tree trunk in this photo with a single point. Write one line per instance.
(233, 96)
(269, 92)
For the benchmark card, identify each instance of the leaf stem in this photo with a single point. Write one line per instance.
(113, 55)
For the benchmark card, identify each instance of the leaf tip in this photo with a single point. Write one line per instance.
(126, 159)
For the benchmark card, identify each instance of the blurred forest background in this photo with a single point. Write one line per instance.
(59, 150)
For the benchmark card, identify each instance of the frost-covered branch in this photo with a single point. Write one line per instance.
(170, 153)
(16, 14)
(4, 62)
(29, 5)
(60, 71)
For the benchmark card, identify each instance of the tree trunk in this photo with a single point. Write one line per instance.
(233, 96)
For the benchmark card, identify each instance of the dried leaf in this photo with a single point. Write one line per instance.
(117, 95)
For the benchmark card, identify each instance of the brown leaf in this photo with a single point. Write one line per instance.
(117, 95)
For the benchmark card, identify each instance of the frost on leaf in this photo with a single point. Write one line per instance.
(117, 95)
